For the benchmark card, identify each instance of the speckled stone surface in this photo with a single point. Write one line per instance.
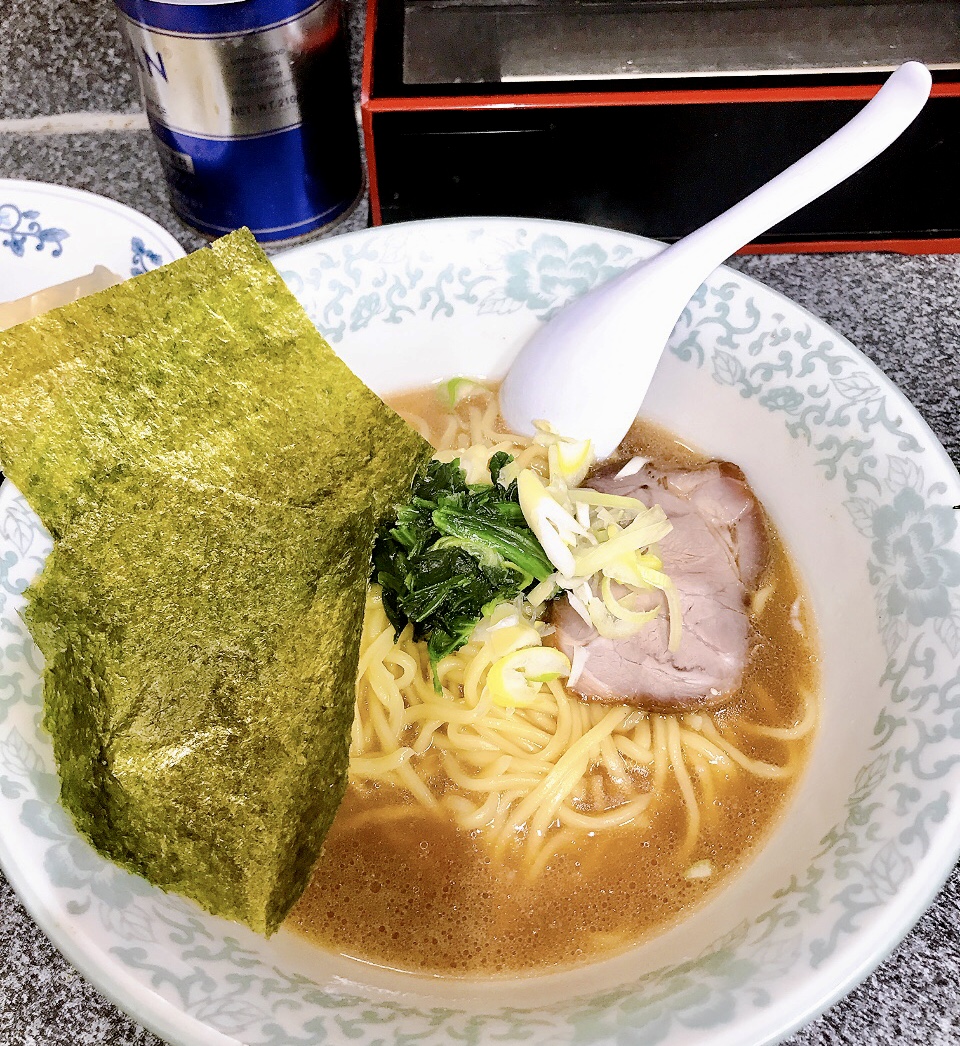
(63, 56)
(67, 56)
(122, 165)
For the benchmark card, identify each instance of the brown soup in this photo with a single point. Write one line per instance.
(405, 887)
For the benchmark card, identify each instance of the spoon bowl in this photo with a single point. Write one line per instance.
(587, 370)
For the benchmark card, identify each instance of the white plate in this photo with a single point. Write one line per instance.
(860, 490)
(50, 234)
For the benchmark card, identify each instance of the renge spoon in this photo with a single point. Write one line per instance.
(587, 369)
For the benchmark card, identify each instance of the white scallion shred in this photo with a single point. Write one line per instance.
(577, 663)
(577, 604)
(539, 594)
(597, 540)
(632, 467)
(604, 548)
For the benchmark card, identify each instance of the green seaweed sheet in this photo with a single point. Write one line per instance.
(200, 697)
(213, 476)
(207, 369)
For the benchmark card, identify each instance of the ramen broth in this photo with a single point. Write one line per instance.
(400, 885)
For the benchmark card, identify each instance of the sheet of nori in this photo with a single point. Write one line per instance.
(201, 655)
(207, 369)
(212, 474)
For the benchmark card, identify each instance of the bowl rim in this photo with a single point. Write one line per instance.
(177, 1026)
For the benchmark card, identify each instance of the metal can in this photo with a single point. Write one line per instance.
(251, 107)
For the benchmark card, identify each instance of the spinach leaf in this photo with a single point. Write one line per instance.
(454, 550)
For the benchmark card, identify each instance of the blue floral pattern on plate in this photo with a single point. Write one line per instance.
(891, 483)
(51, 234)
(143, 259)
(22, 227)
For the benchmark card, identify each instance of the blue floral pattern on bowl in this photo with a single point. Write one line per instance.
(894, 489)
(910, 545)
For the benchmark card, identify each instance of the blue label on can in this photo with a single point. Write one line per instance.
(237, 17)
(219, 186)
(252, 109)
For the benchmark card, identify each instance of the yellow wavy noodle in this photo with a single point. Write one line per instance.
(537, 776)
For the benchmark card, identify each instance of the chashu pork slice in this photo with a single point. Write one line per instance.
(715, 555)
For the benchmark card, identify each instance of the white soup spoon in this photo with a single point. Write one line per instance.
(587, 370)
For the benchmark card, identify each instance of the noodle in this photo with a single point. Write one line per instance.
(530, 776)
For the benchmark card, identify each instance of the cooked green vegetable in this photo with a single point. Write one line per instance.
(455, 549)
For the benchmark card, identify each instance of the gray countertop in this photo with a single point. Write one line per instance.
(67, 57)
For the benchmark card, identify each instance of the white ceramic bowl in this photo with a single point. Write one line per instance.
(862, 493)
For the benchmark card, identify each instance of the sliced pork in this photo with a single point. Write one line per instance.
(715, 555)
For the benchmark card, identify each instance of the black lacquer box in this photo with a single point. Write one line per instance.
(655, 115)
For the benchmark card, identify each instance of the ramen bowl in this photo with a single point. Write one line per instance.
(861, 493)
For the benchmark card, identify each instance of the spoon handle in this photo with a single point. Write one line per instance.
(588, 368)
(859, 141)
